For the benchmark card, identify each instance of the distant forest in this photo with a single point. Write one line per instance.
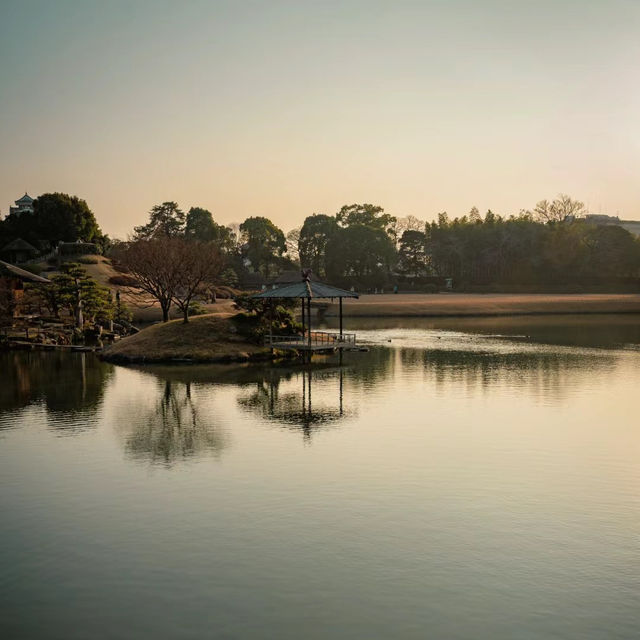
(550, 247)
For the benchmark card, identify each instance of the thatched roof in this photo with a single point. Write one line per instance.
(11, 271)
(19, 245)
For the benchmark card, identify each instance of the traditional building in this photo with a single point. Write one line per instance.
(12, 281)
(23, 205)
(18, 251)
(632, 226)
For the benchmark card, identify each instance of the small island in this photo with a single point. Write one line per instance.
(207, 338)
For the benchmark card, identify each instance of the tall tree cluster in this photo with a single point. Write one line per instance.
(56, 217)
(356, 245)
(521, 249)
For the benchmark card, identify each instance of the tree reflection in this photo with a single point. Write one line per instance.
(70, 386)
(173, 429)
(543, 373)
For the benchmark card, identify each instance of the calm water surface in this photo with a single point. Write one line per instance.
(468, 479)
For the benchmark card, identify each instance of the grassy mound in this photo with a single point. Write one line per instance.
(207, 338)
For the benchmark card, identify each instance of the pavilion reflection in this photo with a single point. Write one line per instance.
(308, 400)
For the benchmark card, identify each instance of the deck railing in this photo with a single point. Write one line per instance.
(318, 339)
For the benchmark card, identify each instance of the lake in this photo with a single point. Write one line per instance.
(461, 479)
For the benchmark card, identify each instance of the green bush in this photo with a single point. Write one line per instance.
(123, 281)
(196, 309)
(33, 268)
(88, 260)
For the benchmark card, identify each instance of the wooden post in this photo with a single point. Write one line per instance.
(340, 319)
(309, 323)
(341, 383)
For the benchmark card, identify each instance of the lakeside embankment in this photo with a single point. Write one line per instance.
(479, 304)
(207, 338)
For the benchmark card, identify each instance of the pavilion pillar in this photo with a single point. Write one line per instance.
(309, 322)
(340, 299)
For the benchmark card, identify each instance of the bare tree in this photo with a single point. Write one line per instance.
(171, 270)
(408, 223)
(562, 208)
(292, 240)
(155, 266)
(199, 264)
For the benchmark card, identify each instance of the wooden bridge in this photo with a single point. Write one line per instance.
(315, 341)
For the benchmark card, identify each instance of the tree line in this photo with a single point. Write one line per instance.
(176, 253)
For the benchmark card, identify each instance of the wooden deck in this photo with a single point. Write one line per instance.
(318, 341)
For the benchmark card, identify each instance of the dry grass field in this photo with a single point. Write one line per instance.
(472, 304)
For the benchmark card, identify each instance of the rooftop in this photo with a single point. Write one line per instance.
(26, 199)
(306, 288)
(12, 271)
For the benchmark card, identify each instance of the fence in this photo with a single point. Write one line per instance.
(317, 340)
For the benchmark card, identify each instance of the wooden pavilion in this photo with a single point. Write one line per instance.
(306, 290)
(12, 281)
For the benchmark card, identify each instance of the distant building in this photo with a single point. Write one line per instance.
(23, 205)
(77, 248)
(632, 226)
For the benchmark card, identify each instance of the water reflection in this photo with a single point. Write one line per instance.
(173, 427)
(167, 414)
(70, 387)
(544, 374)
(608, 331)
(309, 400)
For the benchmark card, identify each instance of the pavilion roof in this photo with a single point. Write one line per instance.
(306, 289)
(25, 199)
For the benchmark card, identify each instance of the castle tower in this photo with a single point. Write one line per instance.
(23, 205)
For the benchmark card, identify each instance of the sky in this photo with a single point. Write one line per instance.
(284, 109)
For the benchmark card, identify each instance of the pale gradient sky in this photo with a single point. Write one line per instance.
(284, 109)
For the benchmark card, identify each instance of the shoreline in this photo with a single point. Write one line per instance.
(209, 338)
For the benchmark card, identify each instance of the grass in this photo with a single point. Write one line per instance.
(478, 304)
(207, 338)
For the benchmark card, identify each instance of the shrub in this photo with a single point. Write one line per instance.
(196, 309)
(88, 260)
(253, 321)
(33, 268)
(123, 281)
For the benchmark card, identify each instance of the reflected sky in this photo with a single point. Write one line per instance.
(165, 414)
(446, 485)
